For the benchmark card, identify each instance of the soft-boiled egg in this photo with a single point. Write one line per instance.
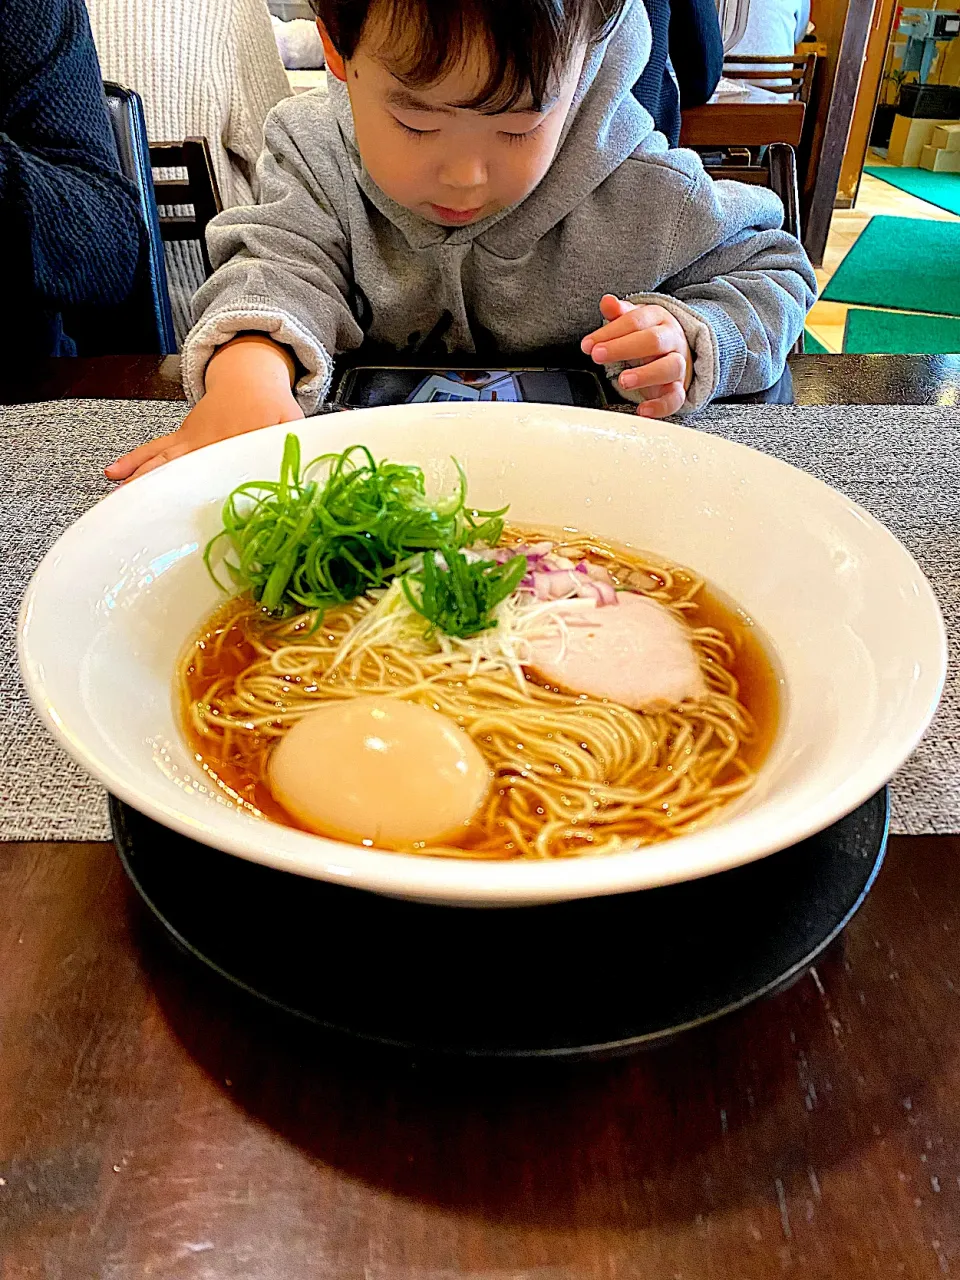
(379, 771)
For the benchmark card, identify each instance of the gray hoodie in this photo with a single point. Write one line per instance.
(618, 212)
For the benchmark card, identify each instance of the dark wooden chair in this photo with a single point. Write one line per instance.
(791, 75)
(198, 190)
(778, 171)
(792, 79)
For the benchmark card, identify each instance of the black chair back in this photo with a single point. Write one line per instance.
(143, 325)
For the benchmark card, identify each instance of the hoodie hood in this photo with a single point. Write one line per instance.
(605, 124)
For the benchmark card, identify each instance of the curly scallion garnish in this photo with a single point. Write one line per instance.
(342, 526)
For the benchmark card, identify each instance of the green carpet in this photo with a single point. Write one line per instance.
(911, 264)
(812, 346)
(941, 189)
(876, 331)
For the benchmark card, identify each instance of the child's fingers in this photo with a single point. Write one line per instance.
(668, 368)
(628, 321)
(126, 466)
(637, 320)
(649, 344)
(611, 306)
(617, 328)
(670, 401)
(174, 449)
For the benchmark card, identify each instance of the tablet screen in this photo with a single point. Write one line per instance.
(370, 387)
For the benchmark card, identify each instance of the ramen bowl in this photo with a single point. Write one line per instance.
(848, 619)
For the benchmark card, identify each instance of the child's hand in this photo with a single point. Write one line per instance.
(651, 339)
(248, 385)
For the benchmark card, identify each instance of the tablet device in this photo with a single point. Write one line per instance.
(366, 387)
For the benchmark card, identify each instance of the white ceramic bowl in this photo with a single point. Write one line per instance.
(854, 626)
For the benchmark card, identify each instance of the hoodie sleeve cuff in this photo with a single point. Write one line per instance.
(717, 345)
(217, 329)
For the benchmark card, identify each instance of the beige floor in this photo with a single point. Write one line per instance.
(827, 319)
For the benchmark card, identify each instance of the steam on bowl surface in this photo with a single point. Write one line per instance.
(850, 622)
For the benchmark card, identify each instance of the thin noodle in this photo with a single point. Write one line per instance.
(572, 774)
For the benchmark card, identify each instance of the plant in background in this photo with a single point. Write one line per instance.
(896, 78)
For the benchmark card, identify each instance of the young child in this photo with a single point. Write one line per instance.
(483, 170)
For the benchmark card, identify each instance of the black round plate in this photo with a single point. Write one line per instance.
(598, 975)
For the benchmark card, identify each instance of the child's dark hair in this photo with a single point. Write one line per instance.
(527, 41)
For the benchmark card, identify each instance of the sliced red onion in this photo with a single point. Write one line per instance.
(553, 577)
(557, 584)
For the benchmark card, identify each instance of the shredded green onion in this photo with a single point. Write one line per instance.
(460, 600)
(339, 528)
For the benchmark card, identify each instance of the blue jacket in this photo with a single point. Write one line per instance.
(70, 229)
(687, 33)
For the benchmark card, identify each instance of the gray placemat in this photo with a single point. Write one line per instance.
(901, 463)
(52, 458)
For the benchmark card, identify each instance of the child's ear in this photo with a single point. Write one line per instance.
(331, 57)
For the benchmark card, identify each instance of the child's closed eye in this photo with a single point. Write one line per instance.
(513, 138)
(416, 133)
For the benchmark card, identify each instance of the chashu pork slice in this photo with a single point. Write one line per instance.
(634, 652)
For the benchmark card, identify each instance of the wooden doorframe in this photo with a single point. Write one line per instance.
(836, 103)
(869, 95)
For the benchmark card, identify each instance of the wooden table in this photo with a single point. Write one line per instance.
(154, 1124)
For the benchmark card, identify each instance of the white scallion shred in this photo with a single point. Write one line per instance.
(521, 618)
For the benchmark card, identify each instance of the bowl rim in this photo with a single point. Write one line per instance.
(467, 881)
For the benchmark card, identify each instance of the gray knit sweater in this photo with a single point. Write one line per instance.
(326, 259)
